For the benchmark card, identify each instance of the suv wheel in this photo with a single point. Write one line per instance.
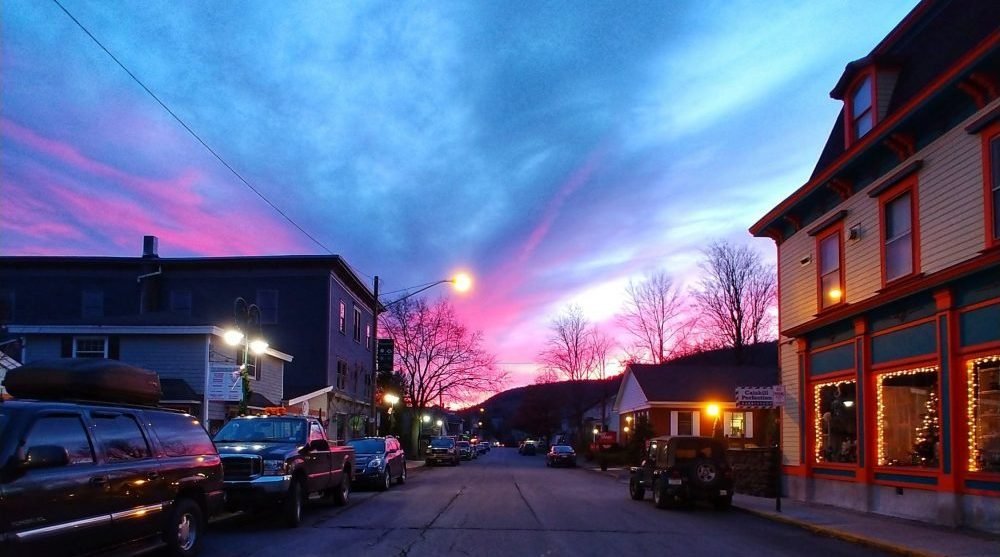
(342, 494)
(183, 535)
(291, 508)
(635, 490)
(660, 498)
(705, 472)
(386, 480)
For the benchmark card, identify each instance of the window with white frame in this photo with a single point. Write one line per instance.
(684, 422)
(90, 347)
(737, 424)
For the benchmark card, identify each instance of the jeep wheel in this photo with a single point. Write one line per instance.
(183, 534)
(660, 497)
(705, 472)
(386, 482)
(342, 494)
(291, 507)
(402, 475)
(635, 490)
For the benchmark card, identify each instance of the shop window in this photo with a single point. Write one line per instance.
(984, 414)
(835, 423)
(909, 418)
(831, 274)
(737, 424)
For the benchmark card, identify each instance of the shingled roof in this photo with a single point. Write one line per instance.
(681, 383)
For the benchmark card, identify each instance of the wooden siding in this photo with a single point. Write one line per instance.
(271, 379)
(42, 347)
(632, 396)
(790, 426)
(170, 356)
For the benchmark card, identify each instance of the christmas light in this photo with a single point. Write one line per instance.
(818, 429)
(972, 369)
(880, 404)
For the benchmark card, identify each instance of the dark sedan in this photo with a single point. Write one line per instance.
(561, 455)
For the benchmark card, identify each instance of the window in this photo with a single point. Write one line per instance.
(984, 414)
(357, 325)
(120, 437)
(835, 421)
(861, 110)
(343, 317)
(90, 347)
(368, 336)
(737, 424)
(831, 273)
(899, 233)
(64, 431)
(684, 423)
(991, 177)
(908, 418)
(92, 302)
(180, 301)
(180, 434)
(341, 374)
(267, 301)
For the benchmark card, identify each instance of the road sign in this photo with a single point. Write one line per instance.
(385, 354)
(772, 396)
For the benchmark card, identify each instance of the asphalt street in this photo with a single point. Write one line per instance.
(505, 504)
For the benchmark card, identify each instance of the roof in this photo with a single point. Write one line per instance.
(177, 390)
(682, 383)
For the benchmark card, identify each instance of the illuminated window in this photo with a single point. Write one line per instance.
(831, 282)
(908, 418)
(368, 337)
(737, 424)
(835, 422)
(343, 317)
(861, 109)
(984, 414)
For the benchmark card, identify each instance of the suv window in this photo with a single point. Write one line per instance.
(120, 437)
(691, 449)
(63, 431)
(180, 434)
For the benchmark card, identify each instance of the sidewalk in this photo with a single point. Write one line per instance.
(896, 535)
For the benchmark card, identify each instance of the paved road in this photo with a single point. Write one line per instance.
(504, 504)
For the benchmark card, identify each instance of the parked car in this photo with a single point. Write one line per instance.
(112, 473)
(561, 455)
(442, 451)
(684, 469)
(527, 448)
(465, 450)
(277, 461)
(378, 461)
(483, 447)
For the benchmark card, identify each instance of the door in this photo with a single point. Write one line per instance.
(51, 509)
(318, 459)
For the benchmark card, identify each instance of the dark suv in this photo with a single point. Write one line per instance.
(81, 477)
(684, 469)
(442, 451)
(379, 461)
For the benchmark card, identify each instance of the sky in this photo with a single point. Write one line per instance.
(554, 150)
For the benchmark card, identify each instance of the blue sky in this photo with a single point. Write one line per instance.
(555, 150)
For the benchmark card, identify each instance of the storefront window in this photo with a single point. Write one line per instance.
(984, 414)
(908, 418)
(836, 421)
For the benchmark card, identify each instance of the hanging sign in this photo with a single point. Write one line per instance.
(223, 383)
(760, 397)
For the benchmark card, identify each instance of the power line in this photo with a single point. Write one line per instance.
(192, 132)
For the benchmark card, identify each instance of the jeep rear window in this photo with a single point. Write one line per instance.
(690, 449)
(180, 434)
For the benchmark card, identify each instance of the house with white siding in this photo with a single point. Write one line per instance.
(889, 281)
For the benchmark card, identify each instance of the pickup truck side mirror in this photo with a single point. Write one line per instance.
(44, 456)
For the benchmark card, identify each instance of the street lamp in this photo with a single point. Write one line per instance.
(440, 425)
(246, 317)
(391, 400)
(713, 411)
(462, 282)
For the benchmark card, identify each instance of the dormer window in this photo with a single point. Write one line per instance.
(861, 110)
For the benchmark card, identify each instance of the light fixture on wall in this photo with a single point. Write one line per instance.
(854, 232)
(805, 260)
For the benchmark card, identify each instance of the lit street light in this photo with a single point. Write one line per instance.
(391, 400)
(246, 317)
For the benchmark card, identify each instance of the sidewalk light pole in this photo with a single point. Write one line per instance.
(246, 318)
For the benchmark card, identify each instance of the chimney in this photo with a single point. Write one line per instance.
(149, 244)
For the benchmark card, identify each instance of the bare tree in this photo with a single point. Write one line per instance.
(569, 351)
(735, 295)
(438, 357)
(654, 316)
(546, 375)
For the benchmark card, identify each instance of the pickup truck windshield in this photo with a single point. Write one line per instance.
(442, 443)
(262, 430)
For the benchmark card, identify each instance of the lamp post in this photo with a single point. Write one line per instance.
(391, 400)
(245, 317)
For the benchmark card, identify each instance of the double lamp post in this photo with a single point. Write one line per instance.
(246, 318)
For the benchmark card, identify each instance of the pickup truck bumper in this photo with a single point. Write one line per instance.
(256, 492)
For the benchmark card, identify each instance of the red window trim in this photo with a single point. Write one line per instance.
(849, 138)
(990, 133)
(838, 229)
(908, 185)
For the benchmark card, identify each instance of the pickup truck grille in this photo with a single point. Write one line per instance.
(241, 467)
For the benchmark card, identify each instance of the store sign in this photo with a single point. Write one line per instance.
(760, 397)
(385, 354)
(224, 382)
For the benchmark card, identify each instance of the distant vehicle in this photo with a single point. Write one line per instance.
(683, 470)
(379, 461)
(109, 473)
(442, 451)
(561, 455)
(465, 450)
(278, 461)
(483, 447)
(527, 448)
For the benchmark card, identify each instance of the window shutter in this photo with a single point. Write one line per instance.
(673, 422)
(749, 425)
(695, 423)
(66, 349)
(727, 426)
(114, 350)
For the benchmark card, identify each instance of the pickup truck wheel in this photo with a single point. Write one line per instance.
(660, 498)
(386, 482)
(183, 533)
(342, 494)
(291, 508)
(635, 490)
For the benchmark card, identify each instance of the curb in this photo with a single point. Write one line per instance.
(839, 534)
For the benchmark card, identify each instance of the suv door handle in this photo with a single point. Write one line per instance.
(99, 481)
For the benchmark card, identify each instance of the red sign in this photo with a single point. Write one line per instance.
(607, 437)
